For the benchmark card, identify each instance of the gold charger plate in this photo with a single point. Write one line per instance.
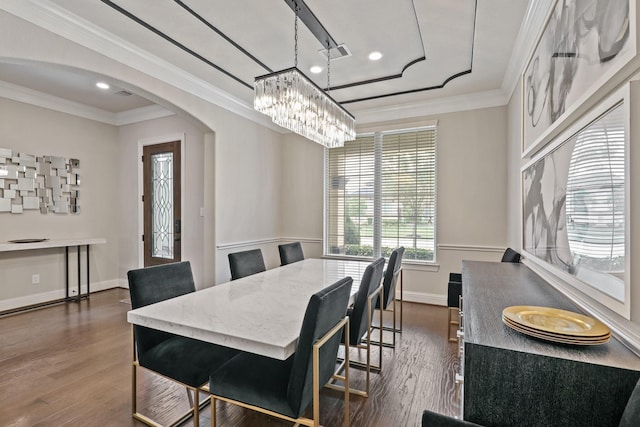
(538, 331)
(557, 338)
(555, 321)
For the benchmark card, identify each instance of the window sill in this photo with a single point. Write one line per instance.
(407, 264)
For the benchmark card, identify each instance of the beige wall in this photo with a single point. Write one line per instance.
(247, 191)
(39, 131)
(302, 186)
(131, 138)
(514, 177)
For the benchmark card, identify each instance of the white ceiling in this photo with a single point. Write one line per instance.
(425, 44)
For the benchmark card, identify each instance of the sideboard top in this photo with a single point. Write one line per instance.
(489, 287)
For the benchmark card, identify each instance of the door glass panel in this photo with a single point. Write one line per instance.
(162, 205)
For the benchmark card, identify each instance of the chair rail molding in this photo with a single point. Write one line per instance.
(278, 240)
(470, 248)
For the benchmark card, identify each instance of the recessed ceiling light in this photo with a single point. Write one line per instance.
(374, 56)
(102, 85)
(315, 69)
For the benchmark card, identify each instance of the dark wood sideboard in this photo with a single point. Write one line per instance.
(513, 380)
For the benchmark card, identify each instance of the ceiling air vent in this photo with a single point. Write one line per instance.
(123, 93)
(341, 51)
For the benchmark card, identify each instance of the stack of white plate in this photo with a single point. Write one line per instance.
(556, 325)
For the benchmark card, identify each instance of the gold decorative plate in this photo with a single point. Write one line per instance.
(538, 331)
(557, 338)
(556, 321)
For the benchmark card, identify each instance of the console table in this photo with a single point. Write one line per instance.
(511, 379)
(66, 244)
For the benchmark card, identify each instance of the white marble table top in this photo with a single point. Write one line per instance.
(260, 314)
(51, 243)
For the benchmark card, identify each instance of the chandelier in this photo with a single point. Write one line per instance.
(296, 103)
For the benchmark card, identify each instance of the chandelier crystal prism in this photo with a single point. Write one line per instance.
(296, 103)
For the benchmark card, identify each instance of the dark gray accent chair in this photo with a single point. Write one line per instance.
(360, 316)
(181, 359)
(286, 386)
(290, 253)
(454, 288)
(510, 256)
(246, 263)
(392, 275)
(630, 416)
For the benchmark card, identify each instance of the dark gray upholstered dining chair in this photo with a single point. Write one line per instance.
(246, 263)
(290, 253)
(286, 388)
(360, 317)
(454, 289)
(510, 256)
(184, 360)
(392, 276)
(630, 415)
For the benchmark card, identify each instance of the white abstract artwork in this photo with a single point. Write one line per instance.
(583, 44)
(574, 205)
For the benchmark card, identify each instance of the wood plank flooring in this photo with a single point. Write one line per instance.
(70, 365)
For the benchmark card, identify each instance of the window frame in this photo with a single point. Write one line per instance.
(380, 152)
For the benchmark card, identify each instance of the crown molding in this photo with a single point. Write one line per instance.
(61, 22)
(532, 24)
(141, 114)
(472, 101)
(40, 99)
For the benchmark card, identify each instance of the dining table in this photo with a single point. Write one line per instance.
(261, 313)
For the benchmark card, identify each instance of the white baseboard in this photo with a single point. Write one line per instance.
(43, 297)
(422, 298)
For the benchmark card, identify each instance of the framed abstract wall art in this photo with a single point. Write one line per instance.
(584, 46)
(575, 206)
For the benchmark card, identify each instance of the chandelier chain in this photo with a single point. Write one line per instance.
(295, 102)
(328, 66)
(295, 60)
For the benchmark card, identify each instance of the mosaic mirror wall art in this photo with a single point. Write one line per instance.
(47, 183)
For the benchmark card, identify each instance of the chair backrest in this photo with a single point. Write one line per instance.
(154, 284)
(510, 256)
(324, 310)
(290, 252)
(371, 279)
(391, 276)
(631, 414)
(246, 263)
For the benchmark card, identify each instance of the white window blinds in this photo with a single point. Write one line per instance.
(380, 194)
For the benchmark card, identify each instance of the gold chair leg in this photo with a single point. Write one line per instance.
(196, 408)
(401, 300)
(213, 412)
(451, 322)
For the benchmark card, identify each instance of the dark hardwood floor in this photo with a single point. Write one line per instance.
(70, 365)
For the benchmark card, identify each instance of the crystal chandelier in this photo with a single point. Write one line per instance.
(294, 102)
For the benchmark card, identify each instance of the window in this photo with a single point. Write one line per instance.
(381, 193)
